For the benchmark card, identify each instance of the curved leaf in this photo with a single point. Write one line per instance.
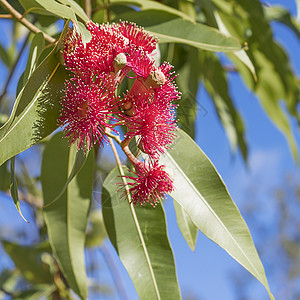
(186, 226)
(35, 113)
(146, 5)
(204, 197)
(66, 219)
(14, 187)
(139, 236)
(194, 34)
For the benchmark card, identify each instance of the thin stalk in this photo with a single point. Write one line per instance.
(88, 8)
(16, 15)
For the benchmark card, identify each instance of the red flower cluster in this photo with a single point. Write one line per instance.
(90, 106)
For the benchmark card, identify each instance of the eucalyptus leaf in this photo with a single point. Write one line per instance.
(194, 34)
(201, 192)
(67, 218)
(187, 227)
(140, 238)
(76, 8)
(154, 6)
(36, 109)
(14, 187)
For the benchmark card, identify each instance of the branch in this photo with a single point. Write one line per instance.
(16, 15)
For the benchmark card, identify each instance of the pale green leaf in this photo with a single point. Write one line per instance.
(140, 238)
(66, 218)
(194, 34)
(186, 226)
(201, 192)
(76, 8)
(153, 6)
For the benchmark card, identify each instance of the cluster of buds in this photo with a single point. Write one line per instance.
(91, 108)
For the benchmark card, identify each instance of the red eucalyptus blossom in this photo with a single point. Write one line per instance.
(150, 184)
(86, 110)
(148, 110)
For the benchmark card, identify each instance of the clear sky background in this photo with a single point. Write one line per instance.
(207, 272)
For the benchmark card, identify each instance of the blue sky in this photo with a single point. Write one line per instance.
(205, 273)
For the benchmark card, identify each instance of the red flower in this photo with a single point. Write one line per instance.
(153, 121)
(150, 185)
(137, 36)
(86, 110)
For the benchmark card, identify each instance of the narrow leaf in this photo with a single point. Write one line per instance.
(76, 8)
(66, 219)
(153, 6)
(194, 34)
(139, 236)
(36, 110)
(14, 187)
(203, 195)
(186, 226)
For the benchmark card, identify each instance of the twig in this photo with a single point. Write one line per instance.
(25, 22)
(5, 16)
(114, 272)
(88, 8)
(13, 68)
(115, 137)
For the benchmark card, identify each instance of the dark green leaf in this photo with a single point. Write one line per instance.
(36, 110)
(5, 57)
(14, 187)
(216, 85)
(66, 218)
(139, 236)
(201, 192)
(186, 226)
(28, 260)
(4, 177)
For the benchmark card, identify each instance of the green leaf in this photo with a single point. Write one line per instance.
(188, 82)
(5, 57)
(57, 9)
(36, 110)
(4, 177)
(139, 236)
(14, 187)
(194, 34)
(153, 6)
(280, 14)
(76, 8)
(28, 260)
(36, 48)
(201, 192)
(186, 226)
(66, 219)
(216, 85)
